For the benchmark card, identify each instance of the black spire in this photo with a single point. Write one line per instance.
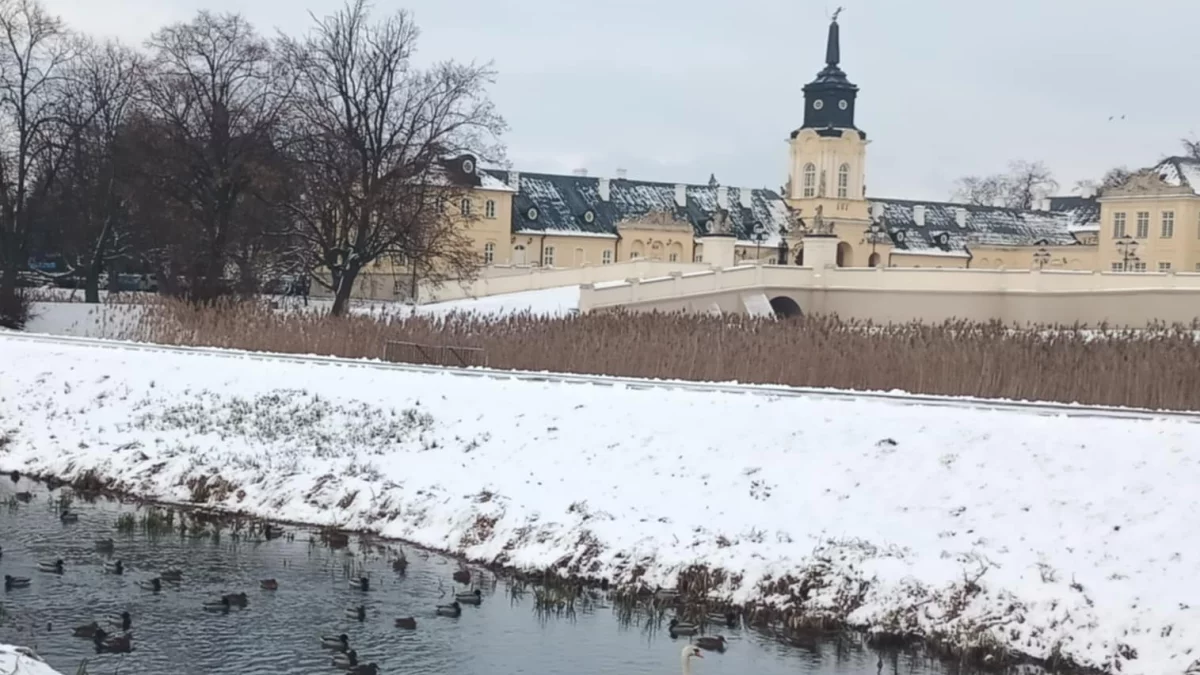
(829, 99)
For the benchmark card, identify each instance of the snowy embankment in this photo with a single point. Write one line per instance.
(1047, 536)
(19, 661)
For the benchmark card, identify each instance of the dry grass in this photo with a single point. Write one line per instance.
(1151, 368)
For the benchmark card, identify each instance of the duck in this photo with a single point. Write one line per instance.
(105, 545)
(360, 584)
(171, 574)
(118, 645)
(15, 476)
(474, 597)
(220, 605)
(123, 620)
(728, 619)
(407, 622)
(462, 576)
(712, 644)
(24, 497)
(364, 669)
(269, 585)
(154, 584)
(339, 642)
(453, 609)
(55, 567)
(357, 613)
(68, 516)
(400, 564)
(116, 567)
(11, 582)
(236, 599)
(346, 660)
(87, 630)
(675, 628)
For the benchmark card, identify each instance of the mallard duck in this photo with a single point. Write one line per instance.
(269, 585)
(407, 622)
(712, 644)
(171, 574)
(452, 609)
(154, 584)
(118, 645)
(123, 620)
(236, 599)
(338, 642)
(11, 582)
(400, 564)
(462, 576)
(364, 669)
(347, 659)
(675, 628)
(727, 619)
(105, 545)
(55, 567)
(220, 605)
(357, 613)
(87, 630)
(360, 584)
(474, 597)
(115, 567)
(24, 497)
(69, 517)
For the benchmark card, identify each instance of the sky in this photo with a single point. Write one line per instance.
(678, 90)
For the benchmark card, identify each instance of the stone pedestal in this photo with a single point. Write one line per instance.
(719, 250)
(820, 251)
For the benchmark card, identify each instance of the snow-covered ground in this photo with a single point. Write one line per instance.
(16, 661)
(1046, 535)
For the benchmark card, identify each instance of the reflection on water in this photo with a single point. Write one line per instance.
(280, 631)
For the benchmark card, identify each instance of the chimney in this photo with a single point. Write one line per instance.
(582, 173)
(723, 197)
(877, 210)
(514, 180)
(919, 215)
(746, 197)
(960, 215)
(605, 184)
(621, 173)
(680, 195)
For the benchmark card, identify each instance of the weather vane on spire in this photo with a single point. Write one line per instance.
(836, 12)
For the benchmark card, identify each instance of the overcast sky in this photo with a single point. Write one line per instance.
(675, 90)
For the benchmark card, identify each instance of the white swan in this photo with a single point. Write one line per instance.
(685, 657)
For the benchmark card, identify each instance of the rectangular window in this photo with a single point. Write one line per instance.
(674, 257)
(490, 209)
(1164, 267)
(699, 257)
(1118, 225)
(489, 252)
(1139, 267)
(634, 255)
(1118, 267)
(843, 183)
(1168, 224)
(606, 257)
(464, 207)
(1143, 224)
(548, 256)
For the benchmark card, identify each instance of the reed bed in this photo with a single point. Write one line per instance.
(1150, 368)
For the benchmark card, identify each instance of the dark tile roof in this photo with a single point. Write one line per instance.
(983, 225)
(563, 202)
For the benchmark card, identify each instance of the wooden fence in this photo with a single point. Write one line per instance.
(434, 355)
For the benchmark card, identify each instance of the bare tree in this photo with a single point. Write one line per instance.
(369, 133)
(214, 96)
(1115, 177)
(34, 56)
(84, 206)
(1020, 188)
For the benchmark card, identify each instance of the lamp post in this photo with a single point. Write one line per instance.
(873, 235)
(1041, 257)
(1127, 246)
(760, 235)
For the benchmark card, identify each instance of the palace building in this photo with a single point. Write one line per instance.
(542, 221)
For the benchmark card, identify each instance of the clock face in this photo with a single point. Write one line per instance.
(818, 104)
(843, 104)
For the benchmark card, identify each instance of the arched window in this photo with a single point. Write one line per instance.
(843, 181)
(810, 180)
(465, 207)
(489, 209)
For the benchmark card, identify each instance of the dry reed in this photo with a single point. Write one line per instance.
(1152, 368)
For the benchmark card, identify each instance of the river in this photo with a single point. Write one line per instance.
(279, 631)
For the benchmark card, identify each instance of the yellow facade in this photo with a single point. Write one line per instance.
(1149, 225)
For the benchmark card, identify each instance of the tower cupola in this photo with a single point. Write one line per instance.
(829, 99)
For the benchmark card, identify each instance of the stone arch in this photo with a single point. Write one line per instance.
(845, 255)
(637, 249)
(873, 261)
(785, 307)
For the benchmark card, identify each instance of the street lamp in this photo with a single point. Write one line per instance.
(874, 234)
(1127, 246)
(1041, 257)
(760, 235)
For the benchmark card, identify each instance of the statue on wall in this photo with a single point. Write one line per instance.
(819, 226)
(821, 189)
(719, 223)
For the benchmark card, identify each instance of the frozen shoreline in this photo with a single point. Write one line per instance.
(13, 660)
(1079, 527)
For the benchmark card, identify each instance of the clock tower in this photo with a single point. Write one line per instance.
(827, 166)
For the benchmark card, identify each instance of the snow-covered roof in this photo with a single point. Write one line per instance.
(1180, 172)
